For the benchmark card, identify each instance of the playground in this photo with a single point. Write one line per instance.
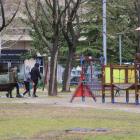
(52, 118)
(90, 111)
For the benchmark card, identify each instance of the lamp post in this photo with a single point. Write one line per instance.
(138, 29)
(104, 31)
(120, 47)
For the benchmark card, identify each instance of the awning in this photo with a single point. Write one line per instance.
(11, 54)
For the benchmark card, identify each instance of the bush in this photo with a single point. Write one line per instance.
(5, 78)
(20, 78)
(41, 82)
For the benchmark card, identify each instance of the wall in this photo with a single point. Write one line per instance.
(30, 63)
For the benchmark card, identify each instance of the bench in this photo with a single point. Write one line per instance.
(4, 86)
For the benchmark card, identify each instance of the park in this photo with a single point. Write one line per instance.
(75, 115)
(100, 40)
(53, 117)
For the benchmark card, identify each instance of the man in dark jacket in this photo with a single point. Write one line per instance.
(13, 78)
(35, 74)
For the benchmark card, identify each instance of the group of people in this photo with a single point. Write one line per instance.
(29, 76)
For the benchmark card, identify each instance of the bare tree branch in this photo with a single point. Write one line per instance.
(3, 16)
(15, 41)
(49, 4)
(37, 28)
(45, 14)
(75, 8)
(66, 7)
(44, 34)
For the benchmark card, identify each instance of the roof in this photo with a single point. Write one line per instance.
(17, 37)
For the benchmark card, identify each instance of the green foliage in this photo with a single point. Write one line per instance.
(20, 78)
(29, 54)
(5, 78)
(121, 17)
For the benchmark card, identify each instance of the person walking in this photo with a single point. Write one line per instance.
(35, 74)
(13, 79)
(27, 79)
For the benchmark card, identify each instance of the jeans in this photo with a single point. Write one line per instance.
(12, 85)
(27, 86)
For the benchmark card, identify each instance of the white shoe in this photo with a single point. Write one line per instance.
(29, 96)
(22, 95)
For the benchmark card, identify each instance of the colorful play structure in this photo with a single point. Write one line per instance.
(122, 77)
(90, 81)
(97, 77)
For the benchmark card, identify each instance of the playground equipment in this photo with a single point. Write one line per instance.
(90, 84)
(127, 79)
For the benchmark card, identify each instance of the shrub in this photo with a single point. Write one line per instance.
(5, 78)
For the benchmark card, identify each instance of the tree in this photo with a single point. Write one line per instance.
(71, 33)
(6, 8)
(121, 17)
(53, 13)
(8, 12)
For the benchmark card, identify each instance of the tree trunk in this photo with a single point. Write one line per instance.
(67, 74)
(53, 69)
(69, 65)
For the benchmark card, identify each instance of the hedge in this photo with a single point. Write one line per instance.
(5, 78)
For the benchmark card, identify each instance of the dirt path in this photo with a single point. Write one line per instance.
(119, 105)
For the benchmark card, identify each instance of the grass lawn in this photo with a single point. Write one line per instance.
(43, 121)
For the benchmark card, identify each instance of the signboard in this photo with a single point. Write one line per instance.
(11, 61)
(38, 61)
(11, 54)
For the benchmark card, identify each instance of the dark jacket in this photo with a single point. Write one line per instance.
(35, 73)
(13, 76)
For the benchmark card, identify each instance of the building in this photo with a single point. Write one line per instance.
(14, 40)
(12, 55)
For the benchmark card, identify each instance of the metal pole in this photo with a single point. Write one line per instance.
(0, 45)
(104, 31)
(0, 32)
(120, 49)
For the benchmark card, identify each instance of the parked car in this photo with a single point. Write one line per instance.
(75, 75)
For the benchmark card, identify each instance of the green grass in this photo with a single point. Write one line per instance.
(34, 121)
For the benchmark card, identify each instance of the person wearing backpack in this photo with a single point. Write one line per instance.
(35, 74)
(27, 79)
